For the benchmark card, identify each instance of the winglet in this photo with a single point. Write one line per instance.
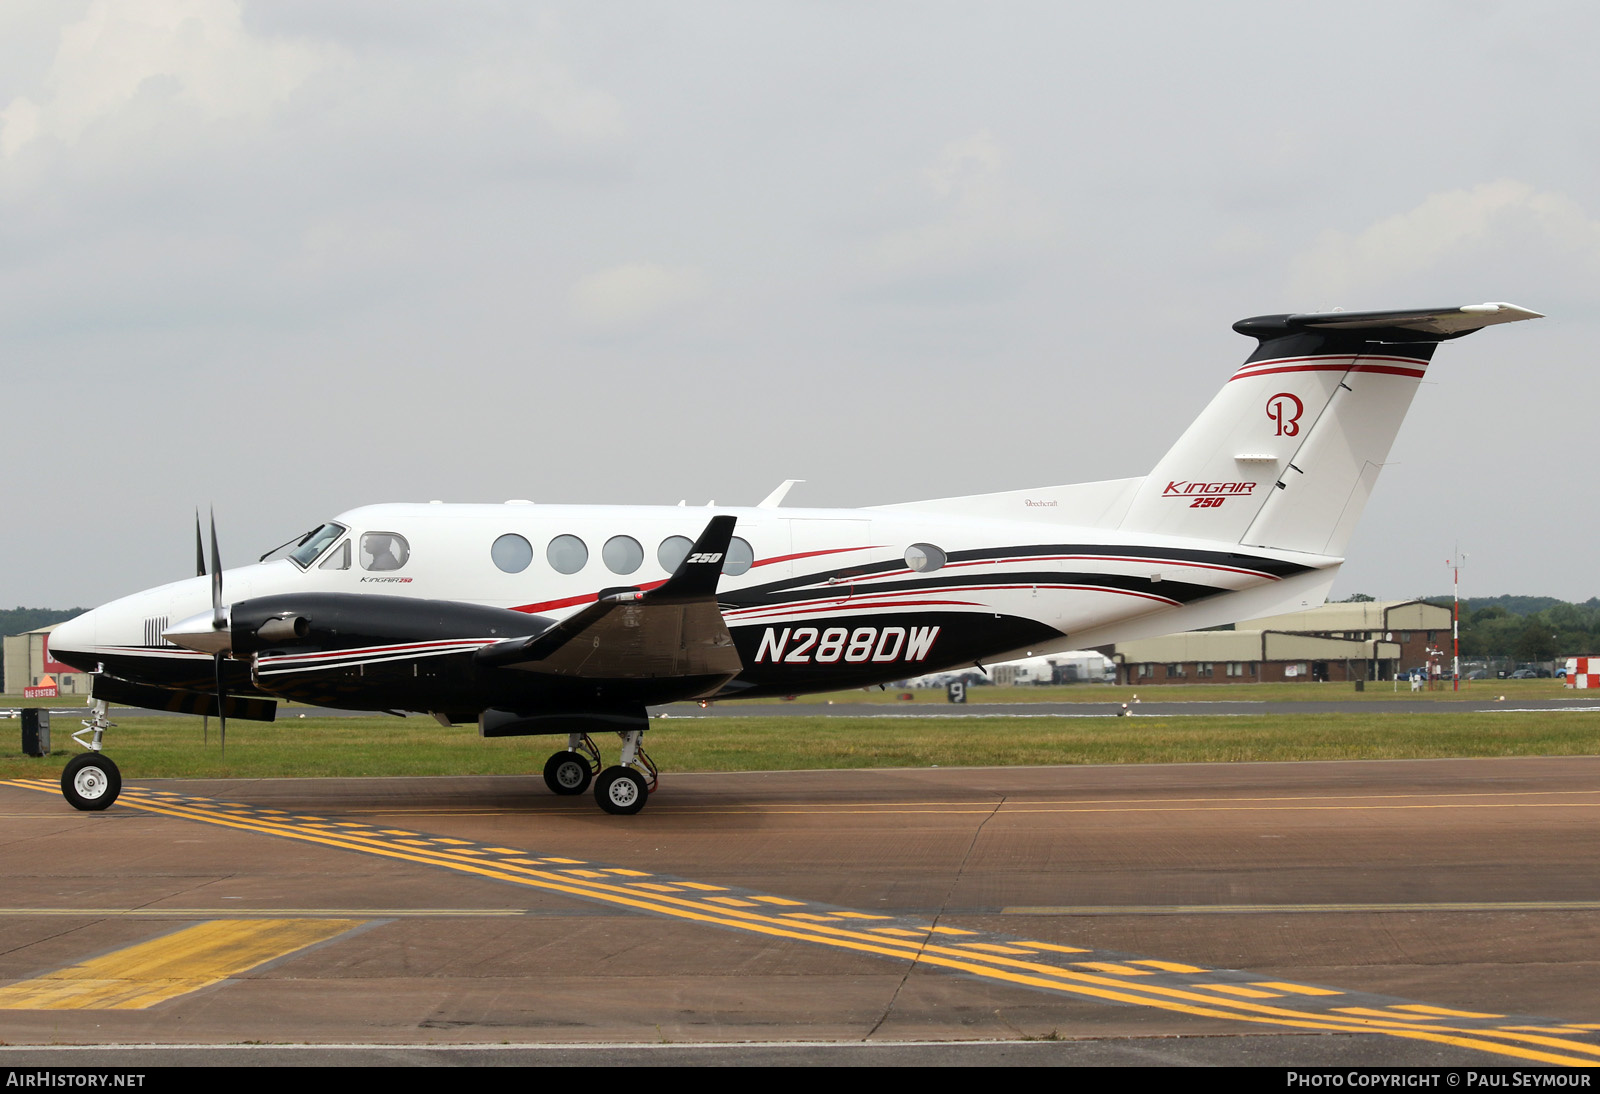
(697, 575)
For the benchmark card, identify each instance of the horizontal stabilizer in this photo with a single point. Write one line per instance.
(1417, 325)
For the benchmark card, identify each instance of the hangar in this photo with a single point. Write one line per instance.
(1365, 640)
(28, 662)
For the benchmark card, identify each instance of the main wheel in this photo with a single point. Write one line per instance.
(91, 781)
(567, 773)
(621, 790)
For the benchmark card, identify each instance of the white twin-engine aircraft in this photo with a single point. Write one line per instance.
(568, 620)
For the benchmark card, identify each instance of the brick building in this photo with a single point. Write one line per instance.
(1374, 640)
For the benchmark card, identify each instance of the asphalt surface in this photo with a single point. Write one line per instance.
(1425, 913)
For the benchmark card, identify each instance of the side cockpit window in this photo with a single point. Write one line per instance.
(384, 551)
(338, 558)
(314, 543)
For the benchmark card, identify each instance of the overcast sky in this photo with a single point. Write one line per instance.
(288, 258)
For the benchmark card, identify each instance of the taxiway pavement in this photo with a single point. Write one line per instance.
(1387, 912)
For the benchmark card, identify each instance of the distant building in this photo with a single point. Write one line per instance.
(1070, 667)
(1374, 640)
(28, 662)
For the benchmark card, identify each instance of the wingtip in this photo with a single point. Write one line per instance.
(1502, 311)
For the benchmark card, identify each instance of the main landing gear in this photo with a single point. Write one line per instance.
(622, 789)
(92, 782)
(571, 770)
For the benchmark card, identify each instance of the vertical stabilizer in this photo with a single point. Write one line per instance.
(1288, 452)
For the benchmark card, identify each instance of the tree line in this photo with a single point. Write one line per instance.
(1529, 628)
(1525, 628)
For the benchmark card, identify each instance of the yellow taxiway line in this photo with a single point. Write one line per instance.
(147, 973)
(1204, 992)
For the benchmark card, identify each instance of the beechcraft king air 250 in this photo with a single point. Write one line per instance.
(569, 620)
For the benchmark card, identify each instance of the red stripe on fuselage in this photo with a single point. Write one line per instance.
(1018, 559)
(590, 598)
(866, 601)
(810, 554)
(569, 601)
(834, 607)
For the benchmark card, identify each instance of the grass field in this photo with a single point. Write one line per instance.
(1302, 691)
(172, 747)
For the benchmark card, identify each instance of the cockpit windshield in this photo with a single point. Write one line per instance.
(306, 552)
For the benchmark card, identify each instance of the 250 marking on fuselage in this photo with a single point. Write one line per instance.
(828, 645)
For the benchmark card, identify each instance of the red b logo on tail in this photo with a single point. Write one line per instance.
(1285, 409)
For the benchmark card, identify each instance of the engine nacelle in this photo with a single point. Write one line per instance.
(331, 621)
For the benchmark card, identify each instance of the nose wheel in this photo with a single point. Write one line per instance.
(91, 782)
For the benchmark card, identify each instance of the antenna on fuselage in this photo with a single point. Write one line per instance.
(775, 499)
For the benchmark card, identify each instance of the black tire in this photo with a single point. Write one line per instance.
(91, 782)
(621, 791)
(568, 773)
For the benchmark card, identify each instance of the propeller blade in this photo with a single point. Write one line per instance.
(218, 621)
(217, 618)
(199, 547)
(222, 713)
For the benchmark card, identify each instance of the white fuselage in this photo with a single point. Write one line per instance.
(1086, 585)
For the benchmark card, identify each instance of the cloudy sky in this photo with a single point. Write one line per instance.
(290, 257)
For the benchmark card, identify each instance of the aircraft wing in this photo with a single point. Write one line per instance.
(673, 630)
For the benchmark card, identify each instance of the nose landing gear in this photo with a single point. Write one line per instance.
(91, 782)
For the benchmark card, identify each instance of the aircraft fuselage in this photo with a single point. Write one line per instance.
(824, 600)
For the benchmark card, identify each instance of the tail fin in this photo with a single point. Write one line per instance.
(1287, 453)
